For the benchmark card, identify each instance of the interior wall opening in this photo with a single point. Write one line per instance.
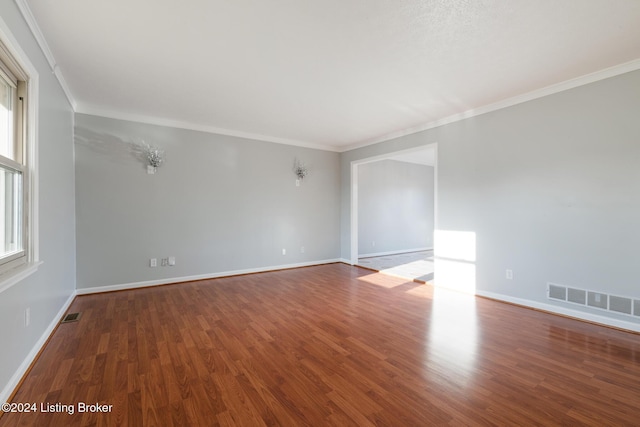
(394, 212)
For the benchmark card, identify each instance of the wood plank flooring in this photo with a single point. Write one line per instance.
(327, 345)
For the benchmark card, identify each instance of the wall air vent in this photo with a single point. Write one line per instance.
(600, 300)
(597, 300)
(620, 304)
(557, 292)
(578, 296)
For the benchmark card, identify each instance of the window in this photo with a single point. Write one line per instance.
(14, 172)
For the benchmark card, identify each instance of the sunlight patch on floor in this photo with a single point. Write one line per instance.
(413, 270)
(385, 281)
(453, 333)
(411, 265)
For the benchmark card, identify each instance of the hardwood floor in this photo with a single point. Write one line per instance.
(327, 345)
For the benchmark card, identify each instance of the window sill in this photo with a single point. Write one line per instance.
(13, 276)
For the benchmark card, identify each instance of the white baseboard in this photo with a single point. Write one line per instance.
(134, 285)
(403, 251)
(344, 260)
(28, 360)
(589, 317)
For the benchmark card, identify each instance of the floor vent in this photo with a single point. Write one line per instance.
(600, 300)
(71, 317)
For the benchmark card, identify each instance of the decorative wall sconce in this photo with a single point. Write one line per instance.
(301, 171)
(155, 157)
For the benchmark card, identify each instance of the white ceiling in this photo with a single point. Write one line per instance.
(333, 73)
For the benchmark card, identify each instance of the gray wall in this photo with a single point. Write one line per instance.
(218, 204)
(395, 207)
(550, 188)
(46, 291)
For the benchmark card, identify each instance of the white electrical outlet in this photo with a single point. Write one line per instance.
(301, 249)
(172, 261)
(284, 251)
(509, 274)
(27, 317)
(164, 262)
(373, 243)
(153, 262)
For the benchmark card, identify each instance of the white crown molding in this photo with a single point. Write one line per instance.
(65, 88)
(35, 30)
(25, 10)
(519, 99)
(539, 93)
(118, 115)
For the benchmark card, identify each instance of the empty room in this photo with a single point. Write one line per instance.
(407, 213)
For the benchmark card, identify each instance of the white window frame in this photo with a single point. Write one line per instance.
(14, 58)
(16, 163)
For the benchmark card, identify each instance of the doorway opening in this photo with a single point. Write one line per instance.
(412, 257)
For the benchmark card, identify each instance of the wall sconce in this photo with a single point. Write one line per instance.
(301, 171)
(155, 157)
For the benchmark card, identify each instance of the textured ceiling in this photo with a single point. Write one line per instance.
(326, 73)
